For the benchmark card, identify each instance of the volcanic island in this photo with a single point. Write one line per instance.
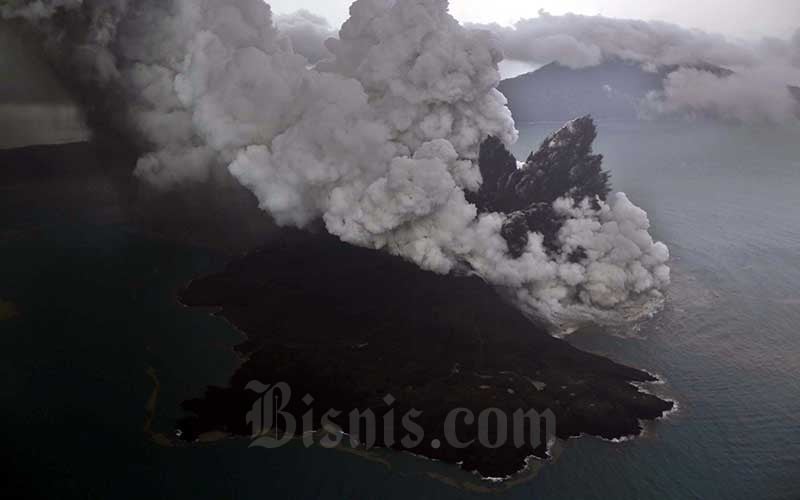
(350, 326)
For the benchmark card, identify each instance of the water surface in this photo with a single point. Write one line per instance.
(95, 308)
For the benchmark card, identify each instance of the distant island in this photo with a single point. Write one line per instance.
(612, 90)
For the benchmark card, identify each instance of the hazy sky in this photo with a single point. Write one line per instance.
(742, 18)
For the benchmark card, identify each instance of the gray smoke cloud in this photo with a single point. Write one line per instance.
(579, 41)
(750, 95)
(756, 92)
(380, 141)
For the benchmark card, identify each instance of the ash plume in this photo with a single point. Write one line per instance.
(579, 41)
(380, 141)
(756, 92)
(757, 95)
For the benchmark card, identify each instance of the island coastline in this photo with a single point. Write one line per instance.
(252, 294)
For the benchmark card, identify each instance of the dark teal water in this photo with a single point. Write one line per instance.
(97, 308)
(727, 202)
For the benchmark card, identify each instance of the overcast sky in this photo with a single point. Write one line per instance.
(739, 18)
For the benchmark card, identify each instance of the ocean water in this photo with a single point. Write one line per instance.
(727, 202)
(95, 310)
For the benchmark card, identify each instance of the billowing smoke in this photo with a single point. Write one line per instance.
(579, 41)
(756, 92)
(380, 141)
(751, 95)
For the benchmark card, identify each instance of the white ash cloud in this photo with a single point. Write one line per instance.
(752, 95)
(579, 41)
(380, 141)
(757, 92)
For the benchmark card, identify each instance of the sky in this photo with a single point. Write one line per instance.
(736, 18)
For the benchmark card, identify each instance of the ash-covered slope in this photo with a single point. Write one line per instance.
(563, 167)
(349, 326)
(558, 93)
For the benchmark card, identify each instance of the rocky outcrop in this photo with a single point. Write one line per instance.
(564, 166)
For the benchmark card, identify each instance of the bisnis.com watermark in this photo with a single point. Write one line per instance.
(273, 426)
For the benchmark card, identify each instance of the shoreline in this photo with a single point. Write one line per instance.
(370, 339)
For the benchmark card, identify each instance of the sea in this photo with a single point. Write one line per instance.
(96, 354)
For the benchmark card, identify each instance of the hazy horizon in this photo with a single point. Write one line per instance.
(746, 19)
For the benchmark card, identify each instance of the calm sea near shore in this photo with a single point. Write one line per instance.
(94, 309)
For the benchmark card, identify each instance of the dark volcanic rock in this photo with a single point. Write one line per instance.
(349, 326)
(564, 166)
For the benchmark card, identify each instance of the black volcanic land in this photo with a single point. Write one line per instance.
(349, 326)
